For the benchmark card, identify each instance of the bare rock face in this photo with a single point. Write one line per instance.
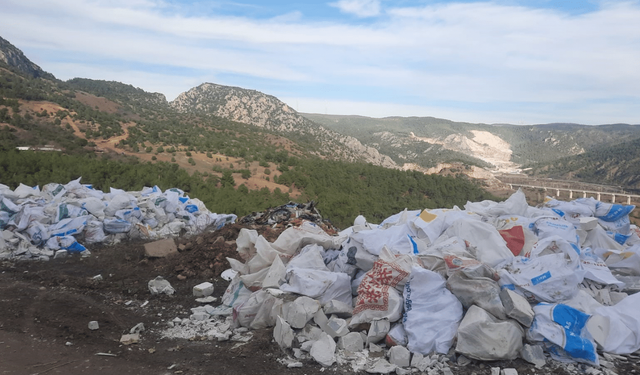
(268, 112)
(12, 56)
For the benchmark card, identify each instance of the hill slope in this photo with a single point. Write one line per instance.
(427, 141)
(617, 165)
(267, 112)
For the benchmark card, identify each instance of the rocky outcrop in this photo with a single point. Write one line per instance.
(268, 112)
(12, 56)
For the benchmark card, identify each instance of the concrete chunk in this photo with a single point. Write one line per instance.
(381, 366)
(323, 351)
(509, 371)
(282, 333)
(130, 339)
(588, 223)
(533, 354)
(309, 333)
(399, 356)
(203, 290)
(341, 309)
(378, 330)
(517, 307)
(337, 327)
(300, 311)
(93, 325)
(351, 342)
(160, 248)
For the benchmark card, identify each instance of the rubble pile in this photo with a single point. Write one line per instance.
(290, 214)
(60, 219)
(426, 289)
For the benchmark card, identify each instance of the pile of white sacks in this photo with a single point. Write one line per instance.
(59, 219)
(493, 281)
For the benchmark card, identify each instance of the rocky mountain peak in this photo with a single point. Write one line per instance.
(12, 56)
(266, 111)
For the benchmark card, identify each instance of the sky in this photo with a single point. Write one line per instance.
(503, 61)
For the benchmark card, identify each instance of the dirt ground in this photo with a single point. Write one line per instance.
(45, 308)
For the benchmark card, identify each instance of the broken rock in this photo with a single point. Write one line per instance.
(323, 350)
(93, 325)
(381, 366)
(160, 248)
(378, 330)
(300, 311)
(338, 308)
(517, 307)
(400, 356)
(533, 354)
(351, 342)
(203, 290)
(282, 333)
(130, 339)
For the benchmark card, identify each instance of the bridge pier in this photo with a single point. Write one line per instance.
(570, 194)
(598, 196)
(628, 199)
(584, 194)
(613, 198)
(557, 192)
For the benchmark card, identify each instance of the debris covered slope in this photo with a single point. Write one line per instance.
(430, 288)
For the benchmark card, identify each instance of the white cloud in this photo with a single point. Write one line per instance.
(359, 8)
(506, 58)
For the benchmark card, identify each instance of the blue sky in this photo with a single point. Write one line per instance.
(504, 61)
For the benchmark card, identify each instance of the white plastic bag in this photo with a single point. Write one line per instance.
(624, 325)
(516, 204)
(482, 336)
(491, 247)
(432, 313)
(321, 285)
(477, 286)
(553, 277)
(565, 328)
(549, 226)
(378, 293)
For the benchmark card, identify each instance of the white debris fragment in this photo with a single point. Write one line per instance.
(323, 350)
(93, 325)
(351, 342)
(203, 290)
(381, 366)
(130, 339)
(533, 354)
(400, 356)
(340, 309)
(300, 311)
(159, 286)
(378, 330)
(137, 328)
(282, 333)
(517, 307)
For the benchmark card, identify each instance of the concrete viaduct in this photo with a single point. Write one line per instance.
(596, 194)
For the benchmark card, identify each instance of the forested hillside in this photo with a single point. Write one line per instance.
(617, 165)
(115, 135)
(529, 144)
(342, 190)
